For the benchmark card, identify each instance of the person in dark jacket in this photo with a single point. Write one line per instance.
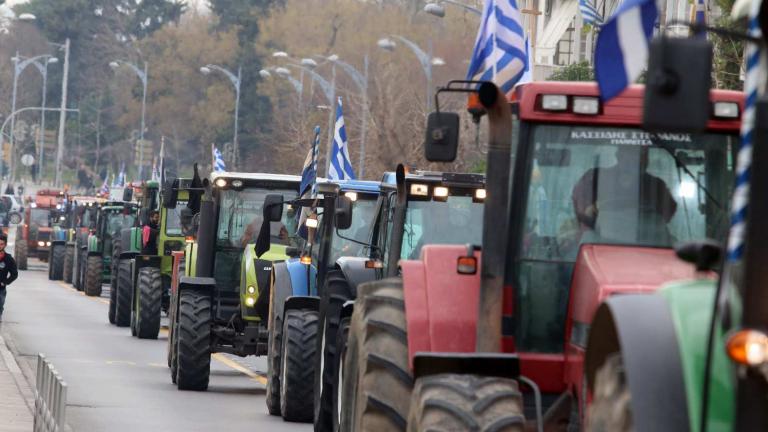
(8, 272)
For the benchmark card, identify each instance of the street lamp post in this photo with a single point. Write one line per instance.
(62, 114)
(361, 80)
(43, 68)
(425, 59)
(19, 65)
(143, 75)
(236, 80)
(438, 10)
(285, 73)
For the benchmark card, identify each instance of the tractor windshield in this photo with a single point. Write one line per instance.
(240, 218)
(40, 217)
(608, 185)
(118, 219)
(173, 219)
(362, 222)
(457, 220)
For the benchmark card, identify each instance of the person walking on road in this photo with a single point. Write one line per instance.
(8, 272)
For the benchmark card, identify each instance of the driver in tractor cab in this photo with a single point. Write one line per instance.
(149, 233)
(633, 191)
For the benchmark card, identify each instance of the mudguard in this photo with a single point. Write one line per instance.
(355, 272)
(289, 279)
(302, 302)
(197, 283)
(142, 261)
(640, 327)
(441, 305)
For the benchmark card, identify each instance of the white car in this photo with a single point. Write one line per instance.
(15, 208)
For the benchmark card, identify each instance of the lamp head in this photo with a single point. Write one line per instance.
(435, 9)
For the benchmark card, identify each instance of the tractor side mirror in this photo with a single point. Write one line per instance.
(273, 208)
(127, 194)
(442, 138)
(170, 193)
(343, 215)
(675, 99)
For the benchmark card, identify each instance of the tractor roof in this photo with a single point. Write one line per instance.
(359, 185)
(446, 178)
(255, 176)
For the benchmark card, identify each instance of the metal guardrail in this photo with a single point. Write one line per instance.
(50, 398)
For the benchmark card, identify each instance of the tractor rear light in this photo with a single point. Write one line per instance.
(250, 301)
(351, 195)
(420, 190)
(306, 260)
(586, 105)
(726, 110)
(748, 347)
(374, 264)
(466, 265)
(554, 102)
(440, 193)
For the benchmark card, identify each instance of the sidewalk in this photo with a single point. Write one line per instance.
(15, 414)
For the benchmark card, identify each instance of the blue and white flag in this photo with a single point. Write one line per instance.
(105, 186)
(589, 13)
(340, 166)
(308, 187)
(527, 72)
(621, 52)
(218, 160)
(120, 181)
(499, 53)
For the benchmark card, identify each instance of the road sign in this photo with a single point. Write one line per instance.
(27, 160)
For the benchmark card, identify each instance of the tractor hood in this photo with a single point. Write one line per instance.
(604, 270)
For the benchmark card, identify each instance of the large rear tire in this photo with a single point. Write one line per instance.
(150, 302)
(194, 341)
(123, 295)
(296, 371)
(58, 253)
(378, 381)
(93, 275)
(274, 359)
(611, 408)
(339, 371)
(20, 254)
(69, 261)
(453, 402)
(337, 292)
(82, 256)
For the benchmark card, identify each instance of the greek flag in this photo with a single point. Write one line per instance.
(218, 160)
(104, 186)
(589, 13)
(120, 182)
(308, 187)
(340, 166)
(499, 53)
(621, 52)
(527, 72)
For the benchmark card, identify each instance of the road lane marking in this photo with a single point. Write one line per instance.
(240, 368)
(69, 287)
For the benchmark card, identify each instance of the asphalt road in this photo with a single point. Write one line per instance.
(120, 383)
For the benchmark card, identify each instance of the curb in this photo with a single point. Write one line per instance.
(25, 389)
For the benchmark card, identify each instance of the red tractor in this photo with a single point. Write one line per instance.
(34, 235)
(581, 204)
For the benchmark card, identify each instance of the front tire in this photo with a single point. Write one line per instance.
(296, 371)
(378, 381)
(274, 359)
(58, 253)
(339, 371)
(150, 301)
(123, 295)
(194, 341)
(20, 252)
(69, 258)
(611, 408)
(93, 275)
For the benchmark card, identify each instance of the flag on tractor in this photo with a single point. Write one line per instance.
(218, 164)
(120, 181)
(308, 187)
(621, 51)
(340, 167)
(589, 13)
(499, 53)
(527, 72)
(104, 186)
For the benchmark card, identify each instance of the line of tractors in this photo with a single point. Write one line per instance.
(457, 301)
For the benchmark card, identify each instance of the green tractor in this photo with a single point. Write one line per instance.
(73, 220)
(144, 266)
(96, 255)
(220, 301)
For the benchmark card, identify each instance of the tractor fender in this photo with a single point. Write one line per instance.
(355, 272)
(289, 279)
(302, 281)
(127, 254)
(640, 327)
(302, 302)
(441, 305)
(58, 243)
(145, 261)
(207, 284)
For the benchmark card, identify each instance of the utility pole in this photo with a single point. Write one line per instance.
(331, 120)
(62, 115)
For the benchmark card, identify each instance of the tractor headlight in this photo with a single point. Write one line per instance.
(250, 301)
(251, 289)
(47, 243)
(41, 243)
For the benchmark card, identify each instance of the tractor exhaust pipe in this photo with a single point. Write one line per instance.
(398, 227)
(206, 233)
(496, 205)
